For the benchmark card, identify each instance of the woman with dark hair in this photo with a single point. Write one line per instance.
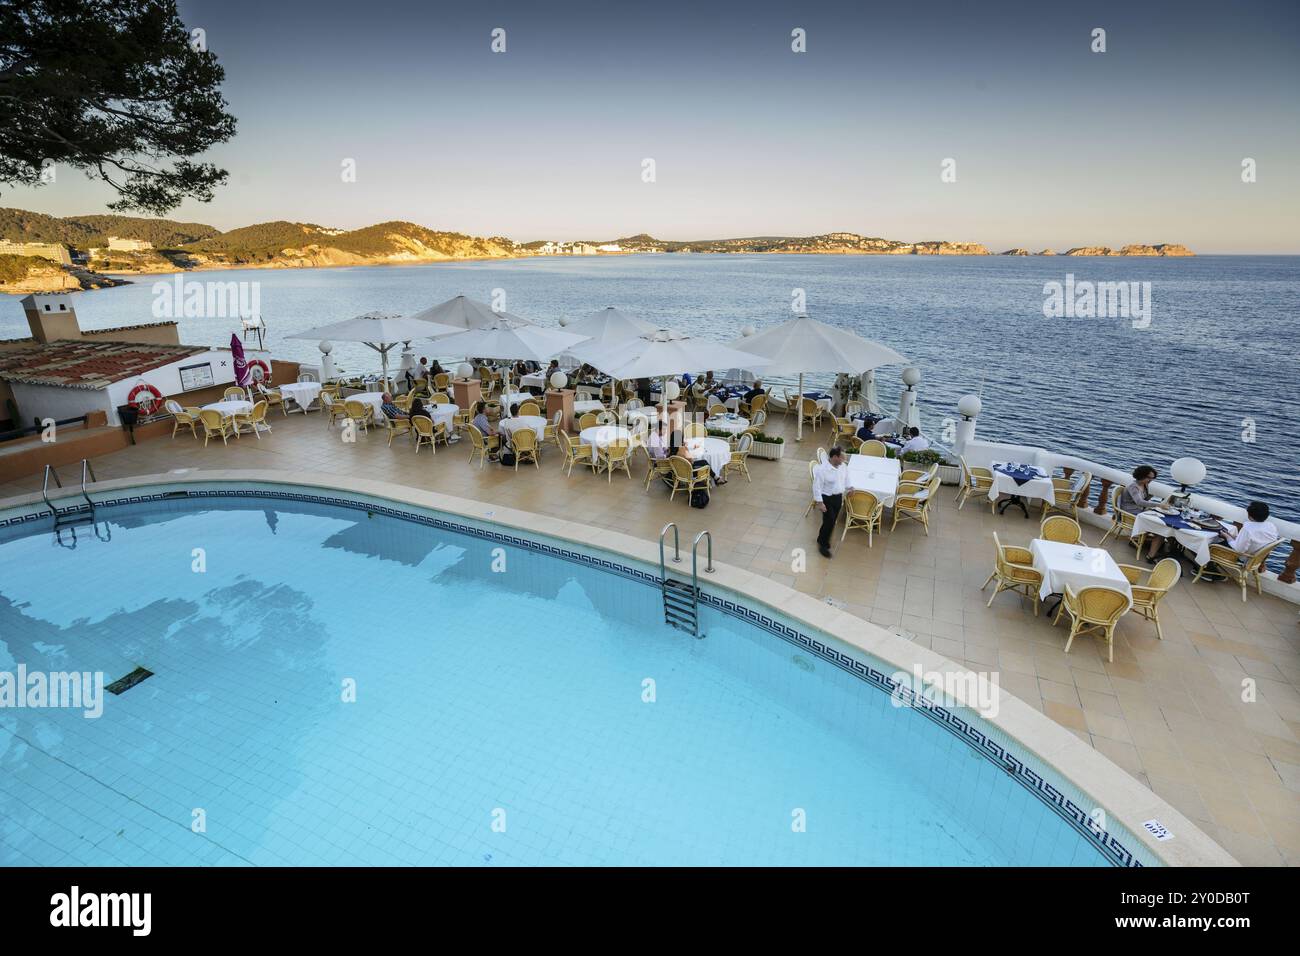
(1134, 500)
(417, 408)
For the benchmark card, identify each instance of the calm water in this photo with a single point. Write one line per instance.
(1221, 346)
(444, 708)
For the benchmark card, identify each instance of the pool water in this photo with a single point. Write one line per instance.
(333, 686)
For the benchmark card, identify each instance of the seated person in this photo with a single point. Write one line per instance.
(915, 441)
(643, 390)
(552, 369)
(1133, 500)
(1255, 532)
(391, 410)
(659, 444)
(489, 430)
(514, 410)
(865, 433)
(417, 408)
(435, 369)
(754, 392)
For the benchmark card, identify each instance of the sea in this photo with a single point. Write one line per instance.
(1210, 369)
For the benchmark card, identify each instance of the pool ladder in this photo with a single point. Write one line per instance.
(67, 519)
(681, 598)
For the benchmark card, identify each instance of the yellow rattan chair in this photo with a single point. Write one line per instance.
(235, 392)
(812, 502)
(1093, 609)
(1241, 568)
(215, 425)
(974, 481)
(529, 408)
(524, 443)
(1150, 587)
(480, 444)
(273, 399)
(659, 468)
(863, 510)
(398, 426)
(588, 420)
(810, 412)
(183, 417)
(254, 421)
(336, 409)
(695, 430)
(844, 427)
(422, 427)
(360, 412)
(686, 477)
(441, 381)
(439, 398)
(1121, 522)
(617, 454)
(740, 457)
(1061, 528)
(873, 448)
(1013, 569)
(913, 501)
(551, 433)
(576, 453)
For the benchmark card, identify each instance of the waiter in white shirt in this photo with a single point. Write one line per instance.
(830, 482)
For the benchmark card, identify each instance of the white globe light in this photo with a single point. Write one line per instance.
(748, 330)
(1188, 471)
(969, 406)
(465, 370)
(326, 347)
(559, 380)
(672, 390)
(911, 376)
(564, 321)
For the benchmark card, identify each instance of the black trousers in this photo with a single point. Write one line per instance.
(833, 504)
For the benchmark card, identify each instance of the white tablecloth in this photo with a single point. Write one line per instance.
(715, 451)
(518, 398)
(1197, 542)
(229, 407)
(581, 408)
(1078, 566)
(876, 475)
(602, 435)
(373, 399)
(536, 422)
(442, 413)
(536, 380)
(733, 425)
(1004, 484)
(302, 393)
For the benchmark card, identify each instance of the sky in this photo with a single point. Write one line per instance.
(1053, 145)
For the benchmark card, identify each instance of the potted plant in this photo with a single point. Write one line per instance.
(767, 446)
(949, 472)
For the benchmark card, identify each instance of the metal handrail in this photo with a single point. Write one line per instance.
(695, 547)
(86, 469)
(45, 488)
(677, 548)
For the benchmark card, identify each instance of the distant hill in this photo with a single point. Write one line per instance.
(83, 232)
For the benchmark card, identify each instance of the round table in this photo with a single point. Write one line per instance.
(229, 407)
(302, 393)
(735, 424)
(536, 422)
(581, 408)
(713, 450)
(374, 399)
(601, 436)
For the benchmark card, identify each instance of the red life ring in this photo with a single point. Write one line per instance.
(150, 403)
(265, 378)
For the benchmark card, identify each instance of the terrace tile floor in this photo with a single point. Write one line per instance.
(1169, 712)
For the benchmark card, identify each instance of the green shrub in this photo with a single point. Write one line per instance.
(924, 458)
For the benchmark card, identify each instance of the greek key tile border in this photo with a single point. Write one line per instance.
(1078, 818)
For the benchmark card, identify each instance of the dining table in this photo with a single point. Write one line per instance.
(876, 475)
(535, 422)
(1020, 481)
(1188, 533)
(229, 407)
(716, 451)
(732, 424)
(1076, 565)
(301, 393)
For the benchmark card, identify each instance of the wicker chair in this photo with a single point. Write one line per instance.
(183, 417)
(913, 501)
(1061, 528)
(1014, 570)
(659, 468)
(739, 457)
(480, 444)
(439, 398)
(530, 408)
(398, 426)
(1241, 568)
(810, 412)
(588, 420)
(422, 426)
(273, 398)
(576, 453)
(524, 443)
(812, 502)
(1093, 609)
(617, 454)
(360, 412)
(695, 430)
(1121, 522)
(1150, 587)
(335, 408)
(685, 477)
(973, 481)
(863, 510)
(236, 393)
(551, 433)
(874, 448)
(216, 424)
(254, 421)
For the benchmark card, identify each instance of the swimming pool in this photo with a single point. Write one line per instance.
(337, 681)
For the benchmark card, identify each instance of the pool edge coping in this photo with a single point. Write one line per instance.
(1125, 798)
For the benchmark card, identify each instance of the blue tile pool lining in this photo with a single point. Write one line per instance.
(1113, 847)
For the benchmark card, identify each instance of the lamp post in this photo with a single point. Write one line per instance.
(969, 408)
(907, 413)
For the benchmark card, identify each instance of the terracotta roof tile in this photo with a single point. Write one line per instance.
(88, 364)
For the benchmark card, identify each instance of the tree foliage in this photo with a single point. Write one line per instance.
(117, 88)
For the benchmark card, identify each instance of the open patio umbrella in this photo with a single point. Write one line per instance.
(465, 313)
(378, 330)
(806, 345)
(664, 353)
(510, 339)
(609, 326)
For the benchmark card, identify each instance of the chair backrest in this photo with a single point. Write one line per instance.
(809, 407)
(606, 418)
(745, 444)
(308, 377)
(1061, 528)
(439, 398)
(235, 391)
(1165, 575)
(634, 403)
(850, 408)
(618, 450)
(1101, 605)
(173, 406)
(559, 417)
(211, 420)
(876, 449)
(529, 408)
(1257, 559)
(524, 439)
(1010, 554)
(1115, 492)
(441, 380)
(475, 436)
(355, 408)
(861, 503)
(588, 420)
(695, 430)
(759, 418)
(259, 410)
(758, 404)
(682, 470)
(716, 407)
(821, 455)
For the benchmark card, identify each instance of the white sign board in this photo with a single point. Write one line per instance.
(195, 376)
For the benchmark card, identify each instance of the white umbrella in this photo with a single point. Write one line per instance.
(806, 345)
(465, 314)
(508, 339)
(662, 354)
(378, 330)
(610, 326)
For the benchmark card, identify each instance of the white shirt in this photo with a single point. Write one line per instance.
(829, 480)
(657, 445)
(919, 443)
(1253, 536)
